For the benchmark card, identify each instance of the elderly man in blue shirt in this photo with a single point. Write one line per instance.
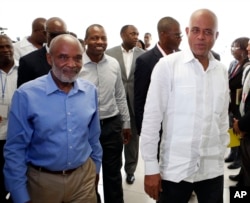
(52, 151)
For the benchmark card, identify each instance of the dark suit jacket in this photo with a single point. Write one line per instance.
(143, 69)
(235, 83)
(32, 66)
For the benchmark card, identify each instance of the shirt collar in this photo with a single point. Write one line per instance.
(87, 60)
(125, 51)
(52, 87)
(14, 67)
(189, 57)
(161, 50)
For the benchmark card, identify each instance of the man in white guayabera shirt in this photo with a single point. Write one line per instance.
(189, 95)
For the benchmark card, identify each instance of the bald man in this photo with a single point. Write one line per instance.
(33, 42)
(35, 64)
(52, 151)
(188, 96)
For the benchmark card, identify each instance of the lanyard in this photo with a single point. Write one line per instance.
(3, 83)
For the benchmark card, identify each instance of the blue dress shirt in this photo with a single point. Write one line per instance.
(51, 129)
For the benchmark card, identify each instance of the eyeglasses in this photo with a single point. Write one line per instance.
(176, 35)
(235, 48)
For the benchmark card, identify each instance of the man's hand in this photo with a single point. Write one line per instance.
(236, 129)
(236, 126)
(152, 185)
(126, 133)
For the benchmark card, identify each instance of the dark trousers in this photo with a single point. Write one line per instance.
(245, 158)
(131, 150)
(207, 191)
(3, 192)
(112, 144)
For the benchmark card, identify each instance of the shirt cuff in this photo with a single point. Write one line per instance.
(126, 125)
(151, 167)
(98, 167)
(20, 195)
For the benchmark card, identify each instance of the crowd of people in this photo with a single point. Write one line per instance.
(70, 107)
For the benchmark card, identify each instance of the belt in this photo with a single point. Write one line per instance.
(63, 172)
(106, 120)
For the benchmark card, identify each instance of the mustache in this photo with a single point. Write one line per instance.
(70, 70)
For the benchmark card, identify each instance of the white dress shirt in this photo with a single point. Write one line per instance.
(127, 58)
(22, 48)
(106, 75)
(192, 105)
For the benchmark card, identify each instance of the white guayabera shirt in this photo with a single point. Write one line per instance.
(192, 105)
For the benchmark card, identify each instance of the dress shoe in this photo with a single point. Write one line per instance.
(234, 165)
(234, 177)
(232, 155)
(229, 159)
(130, 179)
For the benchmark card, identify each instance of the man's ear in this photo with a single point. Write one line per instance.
(48, 56)
(217, 35)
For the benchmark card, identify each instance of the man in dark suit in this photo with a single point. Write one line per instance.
(169, 34)
(35, 63)
(126, 54)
